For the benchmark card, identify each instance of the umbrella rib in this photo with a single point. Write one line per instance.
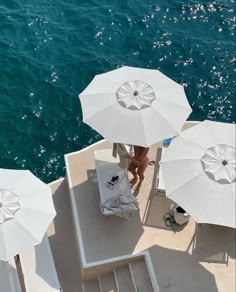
(185, 138)
(186, 183)
(144, 132)
(178, 159)
(100, 112)
(96, 93)
(117, 126)
(45, 189)
(176, 104)
(163, 87)
(20, 178)
(167, 122)
(15, 253)
(41, 211)
(27, 230)
(189, 138)
(4, 244)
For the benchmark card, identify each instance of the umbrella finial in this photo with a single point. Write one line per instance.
(135, 93)
(224, 162)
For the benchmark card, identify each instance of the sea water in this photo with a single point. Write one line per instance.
(51, 50)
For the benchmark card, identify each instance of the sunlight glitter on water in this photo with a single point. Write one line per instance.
(50, 51)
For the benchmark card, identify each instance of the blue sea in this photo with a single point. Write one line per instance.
(51, 50)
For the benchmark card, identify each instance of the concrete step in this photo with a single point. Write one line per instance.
(108, 282)
(141, 276)
(124, 279)
(91, 286)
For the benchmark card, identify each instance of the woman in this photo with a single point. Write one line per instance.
(138, 165)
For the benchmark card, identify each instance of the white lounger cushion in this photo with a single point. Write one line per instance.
(38, 268)
(160, 185)
(107, 167)
(9, 281)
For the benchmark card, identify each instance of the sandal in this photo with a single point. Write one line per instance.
(168, 220)
(114, 180)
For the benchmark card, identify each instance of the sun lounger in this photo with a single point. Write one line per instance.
(160, 185)
(38, 268)
(119, 200)
(9, 281)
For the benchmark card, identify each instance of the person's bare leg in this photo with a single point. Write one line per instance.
(132, 169)
(140, 172)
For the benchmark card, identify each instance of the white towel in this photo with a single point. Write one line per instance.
(122, 206)
(121, 150)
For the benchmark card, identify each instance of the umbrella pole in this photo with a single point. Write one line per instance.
(20, 273)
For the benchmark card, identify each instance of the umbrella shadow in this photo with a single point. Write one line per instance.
(213, 243)
(10, 277)
(43, 268)
(158, 205)
(63, 241)
(178, 271)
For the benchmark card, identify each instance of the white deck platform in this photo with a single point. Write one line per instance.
(195, 258)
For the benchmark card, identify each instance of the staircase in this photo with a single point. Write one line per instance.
(133, 277)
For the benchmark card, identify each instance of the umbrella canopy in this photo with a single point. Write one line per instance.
(135, 106)
(26, 210)
(199, 172)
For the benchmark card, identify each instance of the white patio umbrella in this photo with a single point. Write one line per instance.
(26, 210)
(199, 172)
(135, 106)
